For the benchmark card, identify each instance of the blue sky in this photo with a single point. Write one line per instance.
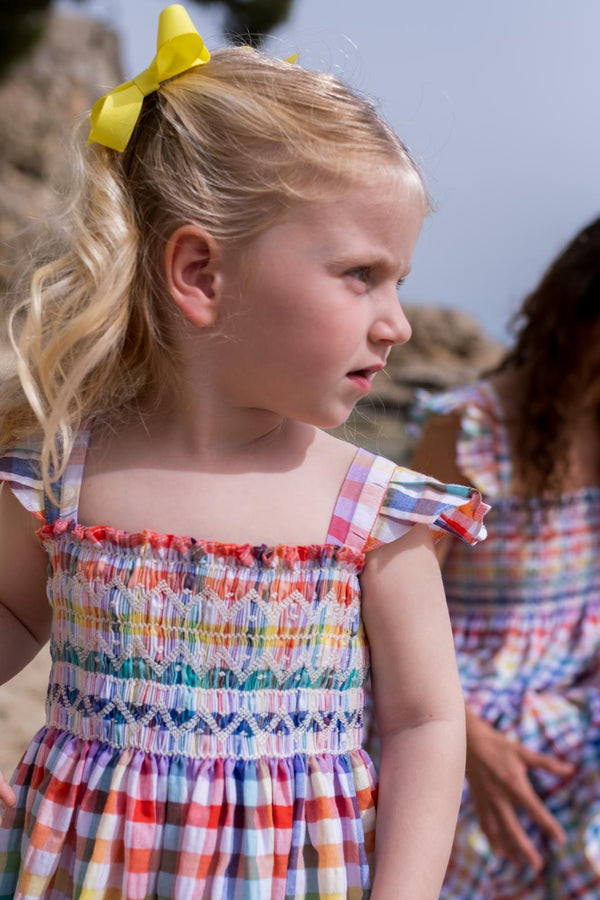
(498, 102)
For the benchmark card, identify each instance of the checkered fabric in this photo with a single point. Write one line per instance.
(525, 609)
(380, 501)
(22, 470)
(205, 709)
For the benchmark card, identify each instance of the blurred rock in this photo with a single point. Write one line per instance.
(75, 63)
(22, 710)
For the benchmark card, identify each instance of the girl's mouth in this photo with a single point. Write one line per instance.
(363, 378)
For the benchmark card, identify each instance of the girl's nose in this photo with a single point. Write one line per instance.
(391, 326)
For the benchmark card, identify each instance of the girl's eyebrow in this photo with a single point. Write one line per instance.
(366, 258)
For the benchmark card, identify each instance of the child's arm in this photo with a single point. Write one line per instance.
(420, 717)
(24, 610)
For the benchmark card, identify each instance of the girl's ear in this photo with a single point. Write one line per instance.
(192, 261)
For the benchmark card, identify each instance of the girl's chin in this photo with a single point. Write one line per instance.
(333, 420)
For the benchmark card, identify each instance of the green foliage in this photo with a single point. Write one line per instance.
(250, 21)
(22, 24)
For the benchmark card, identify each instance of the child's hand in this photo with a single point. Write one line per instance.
(7, 795)
(497, 772)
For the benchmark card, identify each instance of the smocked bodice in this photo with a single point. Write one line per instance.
(530, 602)
(203, 649)
(525, 605)
(205, 705)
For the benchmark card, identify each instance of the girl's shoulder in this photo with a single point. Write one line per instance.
(380, 501)
(478, 400)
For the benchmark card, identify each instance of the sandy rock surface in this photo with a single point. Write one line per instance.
(40, 100)
(22, 710)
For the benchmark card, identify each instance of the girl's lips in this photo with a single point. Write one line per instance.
(363, 378)
(360, 381)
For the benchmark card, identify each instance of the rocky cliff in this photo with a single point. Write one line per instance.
(76, 62)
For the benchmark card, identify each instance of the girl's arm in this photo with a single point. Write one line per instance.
(420, 717)
(24, 610)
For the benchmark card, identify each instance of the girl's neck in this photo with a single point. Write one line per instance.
(199, 415)
(211, 430)
(210, 437)
(279, 486)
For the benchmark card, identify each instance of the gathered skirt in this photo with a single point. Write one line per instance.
(92, 822)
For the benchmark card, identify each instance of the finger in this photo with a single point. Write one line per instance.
(539, 812)
(520, 847)
(499, 836)
(489, 825)
(7, 795)
(552, 764)
(507, 838)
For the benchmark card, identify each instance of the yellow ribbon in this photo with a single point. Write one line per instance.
(179, 47)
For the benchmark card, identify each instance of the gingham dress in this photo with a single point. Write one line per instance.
(525, 609)
(204, 713)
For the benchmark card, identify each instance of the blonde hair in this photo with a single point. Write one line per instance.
(228, 146)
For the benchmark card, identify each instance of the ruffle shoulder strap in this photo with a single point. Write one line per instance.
(415, 499)
(482, 450)
(20, 468)
(380, 501)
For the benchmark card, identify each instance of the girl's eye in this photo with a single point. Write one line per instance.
(361, 273)
(399, 283)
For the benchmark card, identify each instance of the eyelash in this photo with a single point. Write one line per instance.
(363, 273)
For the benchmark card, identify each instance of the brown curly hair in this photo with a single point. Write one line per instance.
(556, 358)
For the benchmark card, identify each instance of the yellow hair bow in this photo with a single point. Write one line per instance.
(179, 47)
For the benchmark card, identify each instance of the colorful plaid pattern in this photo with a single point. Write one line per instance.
(21, 468)
(525, 609)
(205, 711)
(380, 501)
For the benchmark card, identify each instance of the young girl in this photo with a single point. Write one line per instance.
(229, 289)
(525, 605)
